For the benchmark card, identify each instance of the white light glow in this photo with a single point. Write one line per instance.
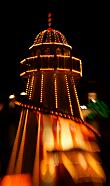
(83, 107)
(23, 93)
(12, 96)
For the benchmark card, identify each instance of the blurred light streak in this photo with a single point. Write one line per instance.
(12, 161)
(70, 167)
(18, 167)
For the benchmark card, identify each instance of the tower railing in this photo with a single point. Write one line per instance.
(51, 62)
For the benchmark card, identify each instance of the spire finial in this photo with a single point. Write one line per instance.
(49, 19)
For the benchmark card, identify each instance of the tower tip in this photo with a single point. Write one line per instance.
(49, 19)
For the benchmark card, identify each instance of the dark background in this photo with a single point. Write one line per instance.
(86, 28)
(84, 24)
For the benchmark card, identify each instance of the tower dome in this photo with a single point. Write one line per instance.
(50, 36)
(51, 41)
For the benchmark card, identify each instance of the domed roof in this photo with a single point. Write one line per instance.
(50, 36)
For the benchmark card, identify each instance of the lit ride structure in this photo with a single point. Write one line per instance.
(52, 139)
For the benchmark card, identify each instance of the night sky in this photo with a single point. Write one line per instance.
(85, 26)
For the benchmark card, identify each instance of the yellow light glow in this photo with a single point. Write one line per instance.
(70, 167)
(65, 134)
(95, 165)
(82, 161)
(43, 167)
(17, 180)
(51, 43)
(48, 134)
(48, 171)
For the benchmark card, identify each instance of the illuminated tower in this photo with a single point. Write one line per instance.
(51, 71)
(51, 129)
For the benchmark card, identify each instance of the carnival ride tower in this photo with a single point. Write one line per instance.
(52, 136)
(51, 71)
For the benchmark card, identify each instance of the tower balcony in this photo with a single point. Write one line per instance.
(51, 63)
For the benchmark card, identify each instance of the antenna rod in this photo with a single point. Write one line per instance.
(49, 20)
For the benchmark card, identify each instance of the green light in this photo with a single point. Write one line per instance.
(99, 108)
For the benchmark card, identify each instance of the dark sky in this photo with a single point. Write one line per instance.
(85, 25)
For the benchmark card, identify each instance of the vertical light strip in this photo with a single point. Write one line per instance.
(11, 165)
(81, 68)
(27, 86)
(77, 99)
(55, 86)
(31, 87)
(36, 171)
(68, 92)
(41, 93)
(18, 167)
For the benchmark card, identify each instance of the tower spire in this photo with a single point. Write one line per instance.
(49, 19)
